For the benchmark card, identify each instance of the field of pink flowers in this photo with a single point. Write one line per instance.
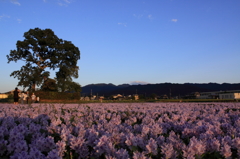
(120, 131)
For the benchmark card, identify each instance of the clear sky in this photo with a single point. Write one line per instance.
(132, 41)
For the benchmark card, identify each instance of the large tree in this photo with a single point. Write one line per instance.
(42, 49)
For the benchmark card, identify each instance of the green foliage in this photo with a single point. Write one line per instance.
(43, 49)
(74, 87)
(49, 85)
(69, 86)
(141, 96)
(10, 95)
(153, 95)
(6, 100)
(9, 99)
(50, 95)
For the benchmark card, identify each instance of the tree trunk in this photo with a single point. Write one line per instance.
(33, 87)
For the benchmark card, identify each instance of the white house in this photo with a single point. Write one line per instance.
(229, 96)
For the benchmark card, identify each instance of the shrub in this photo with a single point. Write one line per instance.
(58, 95)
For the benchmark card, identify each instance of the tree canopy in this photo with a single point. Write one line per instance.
(42, 49)
(49, 85)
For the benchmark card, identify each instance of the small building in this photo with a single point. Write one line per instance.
(136, 97)
(163, 96)
(101, 98)
(85, 98)
(5, 95)
(229, 96)
(2, 96)
(117, 97)
(93, 97)
(207, 95)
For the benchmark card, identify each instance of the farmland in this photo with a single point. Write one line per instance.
(120, 130)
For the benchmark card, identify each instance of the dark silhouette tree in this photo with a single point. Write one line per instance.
(49, 85)
(42, 49)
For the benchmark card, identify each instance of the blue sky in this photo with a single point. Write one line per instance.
(132, 41)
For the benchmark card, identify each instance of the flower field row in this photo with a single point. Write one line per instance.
(120, 131)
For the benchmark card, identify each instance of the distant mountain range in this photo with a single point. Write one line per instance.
(160, 89)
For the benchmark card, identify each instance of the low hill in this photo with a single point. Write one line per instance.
(174, 89)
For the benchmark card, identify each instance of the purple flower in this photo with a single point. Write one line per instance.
(91, 136)
(65, 133)
(160, 140)
(38, 131)
(35, 154)
(168, 151)
(34, 128)
(138, 155)
(226, 151)
(53, 155)
(44, 144)
(189, 132)
(226, 140)
(131, 140)
(212, 145)
(175, 141)
(61, 147)
(3, 132)
(15, 136)
(8, 122)
(116, 120)
(156, 130)
(122, 154)
(110, 157)
(141, 142)
(236, 144)
(79, 145)
(21, 146)
(152, 147)
(20, 155)
(3, 146)
(21, 129)
(104, 145)
(195, 147)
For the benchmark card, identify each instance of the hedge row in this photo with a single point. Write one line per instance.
(57, 95)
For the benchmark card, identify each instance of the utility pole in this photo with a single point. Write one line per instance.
(170, 94)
